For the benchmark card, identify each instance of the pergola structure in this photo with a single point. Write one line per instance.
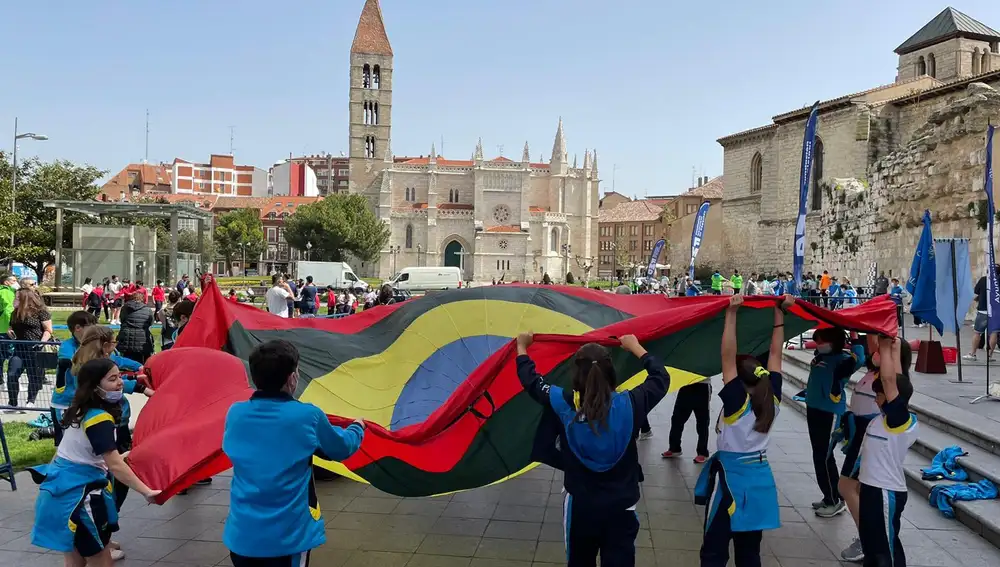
(101, 209)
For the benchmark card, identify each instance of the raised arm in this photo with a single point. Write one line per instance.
(778, 334)
(729, 339)
(645, 396)
(531, 380)
(889, 354)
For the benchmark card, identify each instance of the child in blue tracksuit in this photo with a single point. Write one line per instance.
(274, 516)
(737, 486)
(597, 440)
(829, 373)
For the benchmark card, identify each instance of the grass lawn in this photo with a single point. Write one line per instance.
(25, 453)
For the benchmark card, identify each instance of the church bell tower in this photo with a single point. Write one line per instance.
(370, 99)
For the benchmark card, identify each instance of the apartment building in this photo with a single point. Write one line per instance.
(332, 173)
(626, 235)
(292, 179)
(220, 176)
(137, 179)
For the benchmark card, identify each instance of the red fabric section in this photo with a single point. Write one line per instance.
(187, 452)
(178, 435)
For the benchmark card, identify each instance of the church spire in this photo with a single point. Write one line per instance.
(574, 161)
(388, 152)
(478, 156)
(594, 164)
(525, 157)
(586, 160)
(433, 157)
(558, 162)
(370, 37)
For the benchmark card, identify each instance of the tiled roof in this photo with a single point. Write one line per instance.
(950, 23)
(757, 130)
(424, 160)
(503, 228)
(147, 173)
(456, 207)
(501, 159)
(220, 203)
(631, 211)
(537, 209)
(711, 190)
(371, 37)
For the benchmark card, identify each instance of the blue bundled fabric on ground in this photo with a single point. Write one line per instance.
(945, 465)
(943, 495)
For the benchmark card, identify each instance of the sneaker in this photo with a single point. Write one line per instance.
(117, 555)
(643, 435)
(700, 460)
(971, 357)
(831, 510)
(853, 552)
(670, 454)
(29, 405)
(818, 505)
(204, 481)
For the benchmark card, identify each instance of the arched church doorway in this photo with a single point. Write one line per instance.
(454, 254)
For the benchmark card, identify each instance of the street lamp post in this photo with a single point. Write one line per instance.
(614, 260)
(243, 262)
(13, 184)
(309, 246)
(566, 249)
(393, 250)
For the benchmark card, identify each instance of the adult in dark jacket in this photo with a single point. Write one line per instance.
(134, 338)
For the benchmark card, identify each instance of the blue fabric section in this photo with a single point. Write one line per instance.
(923, 275)
(820, 385)
(945, 290)
(63, 398)
(751, 483)
(271, 442)
(945, 465)
(601, 450)
(943, 495)
(63, 487)
(568, 520)
(436, 379)
(889, 525)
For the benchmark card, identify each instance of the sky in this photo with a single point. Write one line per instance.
(650, 84)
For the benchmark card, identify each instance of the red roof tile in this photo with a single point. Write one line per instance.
(538, 209)
(371, 37)
(456, 206)
(631, 211)
(503, 228)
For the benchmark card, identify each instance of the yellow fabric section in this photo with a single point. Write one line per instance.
(369, 387)
(72, 526)
(835, 399)
(678, 379)
(731, 419)
(732, 508)
(901, 428)
(98, 419)
(314, 512)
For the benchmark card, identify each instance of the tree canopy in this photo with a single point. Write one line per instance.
(336, 226)
(33, 225)
(240, 227)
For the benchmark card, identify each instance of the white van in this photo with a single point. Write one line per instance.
(427, 278)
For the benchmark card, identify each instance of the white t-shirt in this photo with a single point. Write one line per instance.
(86, 289)
(883, 451)
(115, 287)
(277, 301)
(863, 400)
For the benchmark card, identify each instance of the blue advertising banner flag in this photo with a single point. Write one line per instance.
(657, 249)
(923, 276)
(949, 311)
(697, 234)
(992, 290)
(808, 141)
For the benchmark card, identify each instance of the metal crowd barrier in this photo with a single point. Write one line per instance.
(28, 373)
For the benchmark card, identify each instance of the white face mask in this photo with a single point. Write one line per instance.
(824, 349)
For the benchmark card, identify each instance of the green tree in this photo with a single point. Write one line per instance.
(33, 224)
(187, 241)
(236, 228)
(336, 226)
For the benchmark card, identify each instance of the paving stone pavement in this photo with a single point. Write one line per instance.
(515, 524)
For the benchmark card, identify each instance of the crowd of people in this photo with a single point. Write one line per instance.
(593, 429)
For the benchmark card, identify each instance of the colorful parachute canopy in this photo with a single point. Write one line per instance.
(435, 376)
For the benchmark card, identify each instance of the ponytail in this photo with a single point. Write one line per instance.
(757, 381)
(593, 384)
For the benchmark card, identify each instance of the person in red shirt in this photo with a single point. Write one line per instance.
(138, 287)
(191, 295)
(331, 300)
(232, 296)
(159, 296)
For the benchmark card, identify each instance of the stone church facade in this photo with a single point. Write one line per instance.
(493, 218)
(881, 157)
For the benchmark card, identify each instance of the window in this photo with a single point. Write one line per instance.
(370, 147)
(503, 244)
(272, 234)
(619, 230)
(411, 194)
(690, 209)
(647, 245)
(633, 230)
(343, 172)
(366, 77)
(756, 173)
(501, 214)
(376, 77)
(931, 65)
(817, 174)
(921, 66)
(633, 244)
(272, 215)
(503, 265)
(554, 245)
(452, 195)
(648, 230)
(409, 236)
(371, 113)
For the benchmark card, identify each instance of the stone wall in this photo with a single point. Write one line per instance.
(940, 169)
(678, 235)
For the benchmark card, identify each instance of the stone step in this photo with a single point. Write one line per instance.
(971, 429)
(981, 516)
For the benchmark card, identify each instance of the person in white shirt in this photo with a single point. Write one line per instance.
(113, 289)
(887, 440)
(277, 297)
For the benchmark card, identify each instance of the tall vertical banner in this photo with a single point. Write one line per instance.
(657, 249)
(697, 234)
(808, 142)
(993, 292)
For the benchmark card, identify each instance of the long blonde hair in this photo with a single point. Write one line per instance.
(91, 346)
